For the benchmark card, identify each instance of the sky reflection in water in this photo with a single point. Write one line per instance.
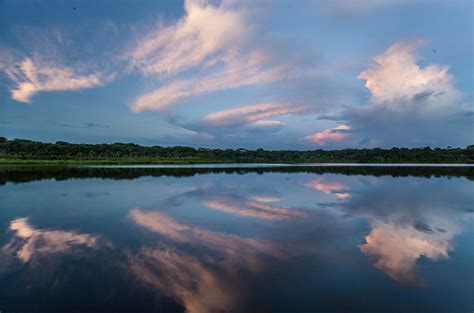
(240, 243)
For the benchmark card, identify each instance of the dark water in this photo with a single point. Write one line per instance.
(333, 239)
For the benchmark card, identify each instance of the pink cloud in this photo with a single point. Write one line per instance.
(395, 75)
(330, 135)
(43, 241)
(31, 77)
(204, 35)
(253, 113)
(335, 188)
(252, 208)
(240, 72)
(396, 249)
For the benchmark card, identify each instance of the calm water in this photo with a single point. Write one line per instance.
(333, 239)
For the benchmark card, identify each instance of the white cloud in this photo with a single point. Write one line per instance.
(232, 74)
(204, 32)
(395, 78)
(211, 48)
(409, 105)
(396, 249)
(31, 77)
(253, 113)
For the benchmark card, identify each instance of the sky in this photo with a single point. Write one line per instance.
(239, 74)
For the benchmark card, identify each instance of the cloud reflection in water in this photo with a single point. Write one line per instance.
(29, 242)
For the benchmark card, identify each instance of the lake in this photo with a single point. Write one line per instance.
(237, 239)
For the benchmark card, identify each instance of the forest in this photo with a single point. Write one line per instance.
(27, 151)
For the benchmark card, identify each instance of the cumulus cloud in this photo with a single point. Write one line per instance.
(397, 248)
(411, 221)
(395, 78)
(330, 135)
(409, 105)
(32, 76)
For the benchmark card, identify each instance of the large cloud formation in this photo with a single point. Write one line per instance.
(409, 105)
(209, 46)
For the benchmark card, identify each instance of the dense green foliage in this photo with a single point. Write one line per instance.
(18, 150)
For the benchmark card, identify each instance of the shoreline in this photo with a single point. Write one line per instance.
(147, 163)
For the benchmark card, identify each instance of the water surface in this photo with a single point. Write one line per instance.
(233, 239)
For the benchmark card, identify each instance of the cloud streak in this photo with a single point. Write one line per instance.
(252, 113)
(32, 76)
(256, 208)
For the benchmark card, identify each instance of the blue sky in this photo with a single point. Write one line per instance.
(229, 74)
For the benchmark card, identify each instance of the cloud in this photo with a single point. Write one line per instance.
(336, 188)
(235, 73)
(205, 32)
(252, 113)
(252, 208)
(200, 287)
(210, 48)
(202, 283)
(396, 249)
(32, 76)
(411, 221)
(330, 135)
(409, 105)
(395, 78)
(229, 244)
(34, 242)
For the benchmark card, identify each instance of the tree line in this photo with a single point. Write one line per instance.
(60, 150)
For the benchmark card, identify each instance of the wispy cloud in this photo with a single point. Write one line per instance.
(229, 244)
(210, 49)
(252, 113)
(238, 72)
(205, 33)
(252, 208)
(32, 76)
